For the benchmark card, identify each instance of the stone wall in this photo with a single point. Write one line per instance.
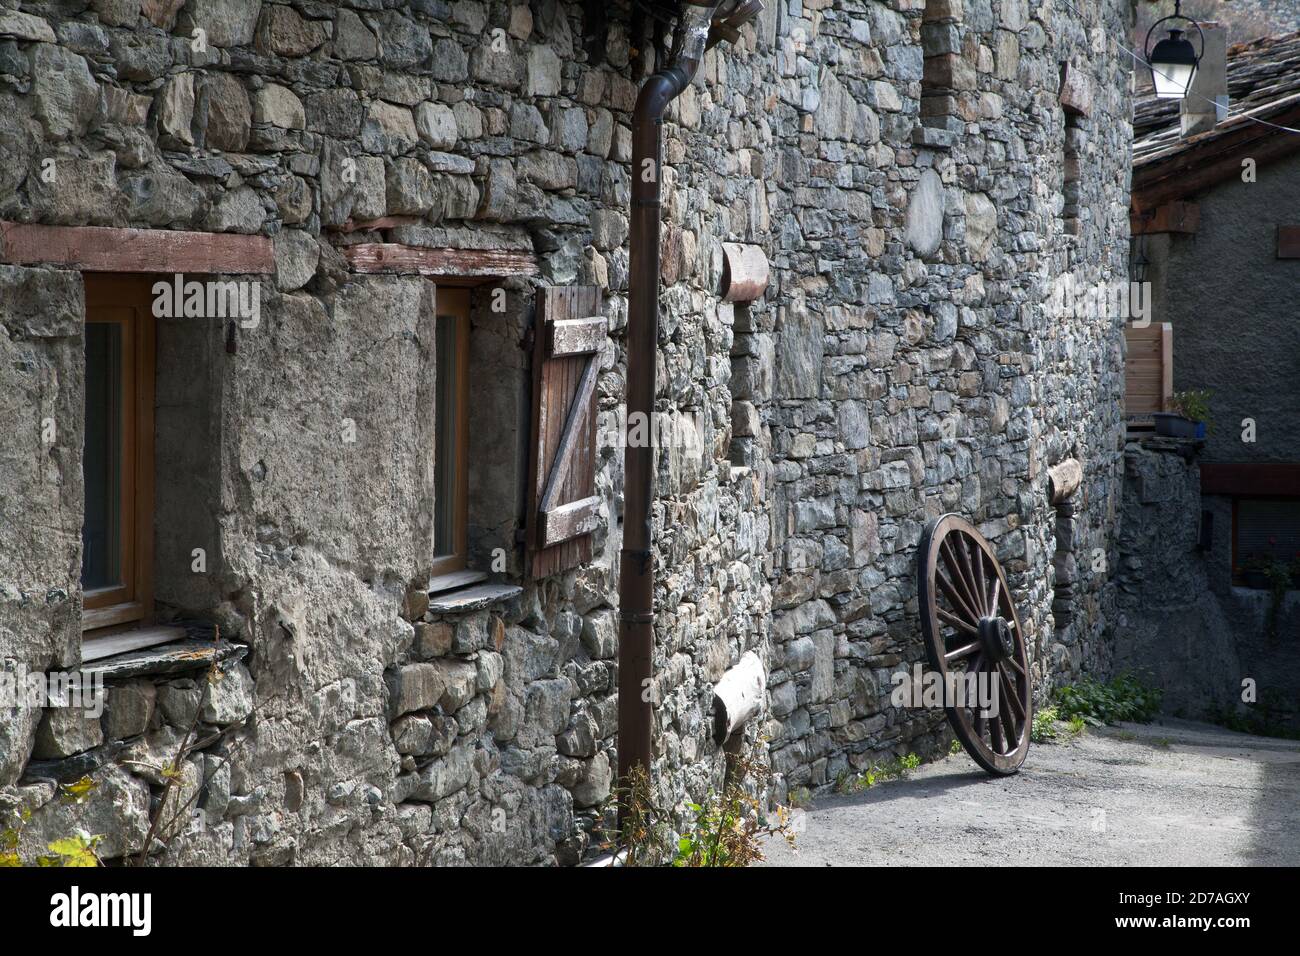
(902, 364)
(1181, 623)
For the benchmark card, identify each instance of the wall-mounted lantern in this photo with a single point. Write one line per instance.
(1174, 60)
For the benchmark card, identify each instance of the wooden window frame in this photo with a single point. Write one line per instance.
(131, 602)
(452, 304)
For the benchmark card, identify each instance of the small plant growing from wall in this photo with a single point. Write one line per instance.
(727, 829)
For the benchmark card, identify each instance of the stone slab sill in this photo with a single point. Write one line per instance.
(181, 656)
(473, 598)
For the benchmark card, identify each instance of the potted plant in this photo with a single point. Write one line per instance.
(1188, 417)
(1255, 572)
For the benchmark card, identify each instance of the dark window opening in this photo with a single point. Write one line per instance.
(451, 437)
(118, 457)
(1266, 541)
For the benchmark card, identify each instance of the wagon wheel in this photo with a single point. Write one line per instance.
(971, 627)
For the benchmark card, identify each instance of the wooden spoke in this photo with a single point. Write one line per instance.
(1013, 695)
(961, 574)
(966, 650)
(970, 626)
(1007, 718)
(950, 618)
(957, 600)
(980, 587)
(995, 734)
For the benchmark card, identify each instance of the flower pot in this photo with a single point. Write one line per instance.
(1171, 425)
(1258, 580)
(1201, 431)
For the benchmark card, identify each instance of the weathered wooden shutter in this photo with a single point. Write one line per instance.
(563, 507)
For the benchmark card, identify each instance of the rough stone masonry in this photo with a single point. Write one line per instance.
(916, 171)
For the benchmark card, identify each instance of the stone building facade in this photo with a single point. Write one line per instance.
(918, 172)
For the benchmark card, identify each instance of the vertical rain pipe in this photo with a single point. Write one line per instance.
(636, 565)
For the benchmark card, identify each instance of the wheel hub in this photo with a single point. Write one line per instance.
(996, 638)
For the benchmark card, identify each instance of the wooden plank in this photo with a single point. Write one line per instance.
(565, 453)
(577, 336)
(108, 249)
(569, 521)
(557, 382)
(98, 648)
(375, 257)
(1179, 217)
(1167, 365)
(1288, 242)
(1258, 479)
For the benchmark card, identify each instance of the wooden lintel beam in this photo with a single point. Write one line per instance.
(1258, 479)
(109, 249)
(377, 257)
(1181, 217)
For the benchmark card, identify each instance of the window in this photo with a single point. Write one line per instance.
(451, 438)
(1266, 535)
(117, 531)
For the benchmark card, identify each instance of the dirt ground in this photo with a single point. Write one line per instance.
(1174, 793)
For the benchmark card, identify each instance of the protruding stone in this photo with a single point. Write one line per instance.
(230, 116)
(981, 225)
(239, 210)
(281, 30)
(278, 106)
(415, 687)
(176, 109)
(64, 93)
(65, 731)
(24, 26)
(128, 709)
(297, 255)
(923, 227)
(435, 123)
(388, 129)
(225, 23)
(353, 40)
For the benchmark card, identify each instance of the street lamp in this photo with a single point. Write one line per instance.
(1174, 60)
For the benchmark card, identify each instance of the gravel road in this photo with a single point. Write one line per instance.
(1174, 793)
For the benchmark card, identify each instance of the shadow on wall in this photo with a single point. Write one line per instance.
(1212, 648)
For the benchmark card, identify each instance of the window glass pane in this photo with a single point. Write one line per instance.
(445, 438)
(1267, 530)
(101, 535)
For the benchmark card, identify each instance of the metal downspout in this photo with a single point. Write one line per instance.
(636, 566)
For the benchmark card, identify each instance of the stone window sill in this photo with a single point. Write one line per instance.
(184, 654)
(462, 592)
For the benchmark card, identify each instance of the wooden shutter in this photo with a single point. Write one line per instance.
(1149, 369)
(563, 508)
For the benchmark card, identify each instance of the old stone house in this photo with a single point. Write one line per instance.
(345, 474)
(1216, 235)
